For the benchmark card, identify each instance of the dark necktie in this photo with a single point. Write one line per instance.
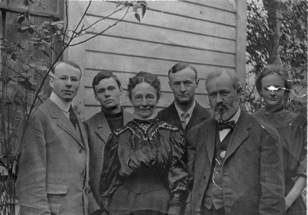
(226, 125)
(73, 117)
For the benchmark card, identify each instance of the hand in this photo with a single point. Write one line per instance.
(288, 202)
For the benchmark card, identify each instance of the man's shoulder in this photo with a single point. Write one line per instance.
(202, 111)
(200, 128)
(259, 127)
(93, 119)
(167, 110)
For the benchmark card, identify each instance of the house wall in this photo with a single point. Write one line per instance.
(210, 35)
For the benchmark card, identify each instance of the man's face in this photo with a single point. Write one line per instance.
(108, 94)
(183, 84)
(65, 81)
(273, 98)
(222, 97)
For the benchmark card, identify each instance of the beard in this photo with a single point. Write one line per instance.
(223, 112)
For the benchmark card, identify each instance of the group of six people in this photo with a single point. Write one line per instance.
(180, 160)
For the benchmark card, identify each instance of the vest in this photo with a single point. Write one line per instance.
(214, 192)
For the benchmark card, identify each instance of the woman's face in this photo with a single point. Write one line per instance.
(144, 99)
(273, 91)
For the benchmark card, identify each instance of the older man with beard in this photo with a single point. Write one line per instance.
(235, 164)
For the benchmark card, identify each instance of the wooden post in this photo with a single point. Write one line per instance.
(241, 40)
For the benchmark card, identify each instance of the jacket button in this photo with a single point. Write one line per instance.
(204, 177)
(80, 150)
(199, 195)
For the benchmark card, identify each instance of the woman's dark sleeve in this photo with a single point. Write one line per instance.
(300, 124)
(178, 175)
(109, 180)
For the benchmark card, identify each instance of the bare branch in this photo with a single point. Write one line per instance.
(103, 31)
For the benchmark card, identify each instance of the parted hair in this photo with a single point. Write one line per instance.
(68, 62)
(233, 76)
(180, 66)
(144, 77)
(102, 75)
(278, 70)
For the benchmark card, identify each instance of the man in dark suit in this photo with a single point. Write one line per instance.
(235, 164)
(184, 112)
(107, 90)
(54, 163)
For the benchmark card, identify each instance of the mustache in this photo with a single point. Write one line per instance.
(221, 106)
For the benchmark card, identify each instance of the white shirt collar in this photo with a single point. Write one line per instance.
(236, 116)
(65, 106)
(190, 110)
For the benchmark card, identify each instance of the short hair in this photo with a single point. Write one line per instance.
(68, 62)
(144, 77)
(278, 70)
(103, 75)
(180, 66)
(233, 76)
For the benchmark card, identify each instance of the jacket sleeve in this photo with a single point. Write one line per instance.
(178, 175)
(109, 180)
(191, 151)
(300, 128)
(271, 176)
(31, 184)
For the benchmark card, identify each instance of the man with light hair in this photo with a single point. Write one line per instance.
(53, 175)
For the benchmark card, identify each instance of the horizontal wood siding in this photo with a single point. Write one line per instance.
(200, 32)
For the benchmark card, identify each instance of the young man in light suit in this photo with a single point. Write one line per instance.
(235, 164)
(54, 162)
(107, 90)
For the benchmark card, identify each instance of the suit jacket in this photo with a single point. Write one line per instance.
(54, 164)
(98, 132)
(170, 115)
(253, 179)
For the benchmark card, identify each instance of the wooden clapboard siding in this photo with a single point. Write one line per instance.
(124, 77)
(132, 64)
(172, 52)
(162, 20)
(202, 33)
(224, 5)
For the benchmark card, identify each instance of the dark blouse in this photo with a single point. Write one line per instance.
(292, 130)
(149, 147)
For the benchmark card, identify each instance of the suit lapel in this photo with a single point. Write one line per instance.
(102, 129)
(175, 116)
(63, 122)
(239, 135)
(196, 117)
(210, 140)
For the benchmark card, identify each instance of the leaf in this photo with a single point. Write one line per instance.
(22, 29)
(14, 57)
(137, 16)
(118, 4)
(30, 30)
(20, 46)
(144, 8)
(20, 18)
(45, 53)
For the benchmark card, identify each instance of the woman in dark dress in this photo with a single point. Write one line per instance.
(143, 170)
(274, 87)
